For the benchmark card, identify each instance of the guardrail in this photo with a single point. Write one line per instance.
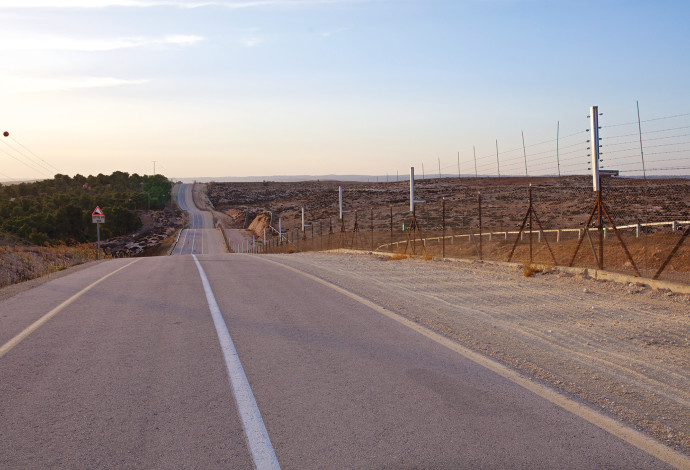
(172, 250)
(225, 238)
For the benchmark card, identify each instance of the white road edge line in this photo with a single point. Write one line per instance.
(5, 348)
(610, 425)
(257, 437)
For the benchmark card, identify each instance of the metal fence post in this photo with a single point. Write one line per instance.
(479, 203)
(372, 229)
(443, 227)
(391, 208)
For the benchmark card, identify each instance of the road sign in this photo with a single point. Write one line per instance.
(97, 216)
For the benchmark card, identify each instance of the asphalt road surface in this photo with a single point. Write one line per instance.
(236, 361)
(200, 237)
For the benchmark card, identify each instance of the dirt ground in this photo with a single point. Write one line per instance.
(623, 348)
(498, 205)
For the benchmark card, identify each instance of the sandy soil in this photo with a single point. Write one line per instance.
(623, 348)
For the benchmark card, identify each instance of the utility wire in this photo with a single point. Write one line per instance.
(646, 120)
(32, 153)
(27, 157)
(24, 163)
(8, 177)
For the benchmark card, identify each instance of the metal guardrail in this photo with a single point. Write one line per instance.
(172, 250)
(225, 238)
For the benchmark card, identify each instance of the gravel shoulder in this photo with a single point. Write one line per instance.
(622, 348)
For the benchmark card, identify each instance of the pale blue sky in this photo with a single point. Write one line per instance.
(237, 88)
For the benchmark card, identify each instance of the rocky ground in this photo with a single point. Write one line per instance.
(557, 203)
(157, 227)
(20, 262)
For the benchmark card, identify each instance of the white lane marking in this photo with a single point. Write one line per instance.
(259, 443)
(610, 425)
(193, 241)
(37, 324)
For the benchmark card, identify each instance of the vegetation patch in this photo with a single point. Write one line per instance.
(529, 270)
(58, 211)
(22, 263)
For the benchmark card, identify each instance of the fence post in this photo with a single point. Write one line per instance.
(479, 203)
(443, 227)
(530, 217)
(391, 207)
(372, 229)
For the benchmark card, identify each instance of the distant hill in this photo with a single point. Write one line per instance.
(295, 178)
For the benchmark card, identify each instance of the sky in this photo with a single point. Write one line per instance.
(215, 88)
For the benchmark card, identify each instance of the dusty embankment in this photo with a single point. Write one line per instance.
(232, 221)
(154, 238)
(622, 348)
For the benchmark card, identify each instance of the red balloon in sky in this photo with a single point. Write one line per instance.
(6, 134)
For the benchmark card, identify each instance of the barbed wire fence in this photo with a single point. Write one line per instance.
(638, 224)
(544, 223)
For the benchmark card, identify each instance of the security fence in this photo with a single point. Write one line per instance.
(633, 226)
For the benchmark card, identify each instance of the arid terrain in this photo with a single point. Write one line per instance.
(21, 262)
(376, 213)
(154, 238)
(622, 347)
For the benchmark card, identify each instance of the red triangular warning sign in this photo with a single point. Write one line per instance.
(97, 211)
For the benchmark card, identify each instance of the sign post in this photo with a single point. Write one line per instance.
(98, 218)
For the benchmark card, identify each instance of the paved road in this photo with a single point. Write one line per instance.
(225, 360)
(201, 237)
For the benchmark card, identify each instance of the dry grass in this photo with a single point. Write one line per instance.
(23, 263)
(529, 270)
(398, 255)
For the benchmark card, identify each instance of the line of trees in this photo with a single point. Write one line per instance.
(59, 210)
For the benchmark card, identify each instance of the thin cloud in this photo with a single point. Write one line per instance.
(36, 85)
(252, 41)
(14, 4)
(48, 43)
